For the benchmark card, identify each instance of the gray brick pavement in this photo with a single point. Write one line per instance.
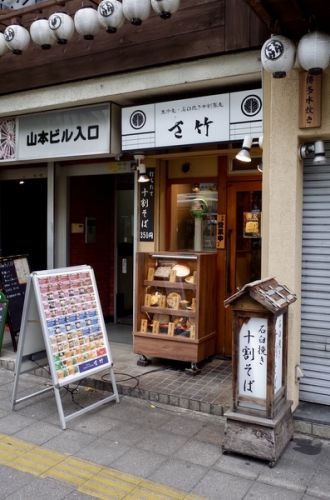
(169, 445)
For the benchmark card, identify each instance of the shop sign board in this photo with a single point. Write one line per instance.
(62, 322)
(310, 91)
(65, 133)
(76, 132)
(197, 120)
(253, 358)
(146, 205)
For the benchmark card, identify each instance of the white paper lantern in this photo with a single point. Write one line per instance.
(277, 55)
(86, 22)
(17, 38)
(314, 52)
(41, 34)
(62, 26)
(136, 11)
(165, 8)
(110, 15)
(3, 45)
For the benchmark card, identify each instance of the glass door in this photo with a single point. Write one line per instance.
(243, 241)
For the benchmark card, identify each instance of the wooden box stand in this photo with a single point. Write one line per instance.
(175, 306)
(258, 437)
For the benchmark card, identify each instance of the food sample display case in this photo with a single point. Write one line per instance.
(175, 306)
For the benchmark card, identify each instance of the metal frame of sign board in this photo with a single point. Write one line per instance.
(62, 315)
(3, 320)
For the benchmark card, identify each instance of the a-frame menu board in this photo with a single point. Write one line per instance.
(62, 316)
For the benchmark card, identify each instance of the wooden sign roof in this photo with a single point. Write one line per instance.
(267, 292)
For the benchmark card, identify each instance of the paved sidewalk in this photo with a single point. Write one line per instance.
(139, 450)
(166, 382)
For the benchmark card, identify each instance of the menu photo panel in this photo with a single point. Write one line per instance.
(73, 324)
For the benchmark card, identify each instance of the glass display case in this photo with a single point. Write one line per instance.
(175, 306)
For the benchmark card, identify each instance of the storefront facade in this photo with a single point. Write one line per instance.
(276, 192)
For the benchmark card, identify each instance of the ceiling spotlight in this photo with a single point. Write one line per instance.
(141, 169)
(319, 153)
(313, 151)
(244, 154)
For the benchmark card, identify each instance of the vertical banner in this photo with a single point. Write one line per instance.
(146, 203)
(309, 100)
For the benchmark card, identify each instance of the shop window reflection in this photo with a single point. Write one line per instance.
(189, 202)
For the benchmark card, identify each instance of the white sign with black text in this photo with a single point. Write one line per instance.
(197, 120)
(66, 133)
(253, 358)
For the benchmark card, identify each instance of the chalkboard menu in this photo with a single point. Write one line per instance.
(146, 202)
(14, 274)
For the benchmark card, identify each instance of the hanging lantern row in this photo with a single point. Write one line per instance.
(60, 27)
(313, 54)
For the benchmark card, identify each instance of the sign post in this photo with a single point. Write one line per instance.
(260, 422)
(63, 324)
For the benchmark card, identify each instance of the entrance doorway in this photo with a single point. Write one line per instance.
(243, 245)
(124, 252)
(23, 220)
(101, 235)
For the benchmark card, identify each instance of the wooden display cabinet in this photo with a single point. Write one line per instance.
(175, 306)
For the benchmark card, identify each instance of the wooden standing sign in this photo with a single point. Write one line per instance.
(62, 323)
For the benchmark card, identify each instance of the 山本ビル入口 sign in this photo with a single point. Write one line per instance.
(75, 132)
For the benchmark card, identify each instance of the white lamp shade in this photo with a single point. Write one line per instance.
(62, 26)
(110, 15)
(319, 153)
(86, 22)
(41, 34)
(165, 8)
(136, 11)
(244, 154)
(3, 45)
(314, 52)
(17, 38)
(277, 55)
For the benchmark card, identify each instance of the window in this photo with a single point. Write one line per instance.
(193, 216)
